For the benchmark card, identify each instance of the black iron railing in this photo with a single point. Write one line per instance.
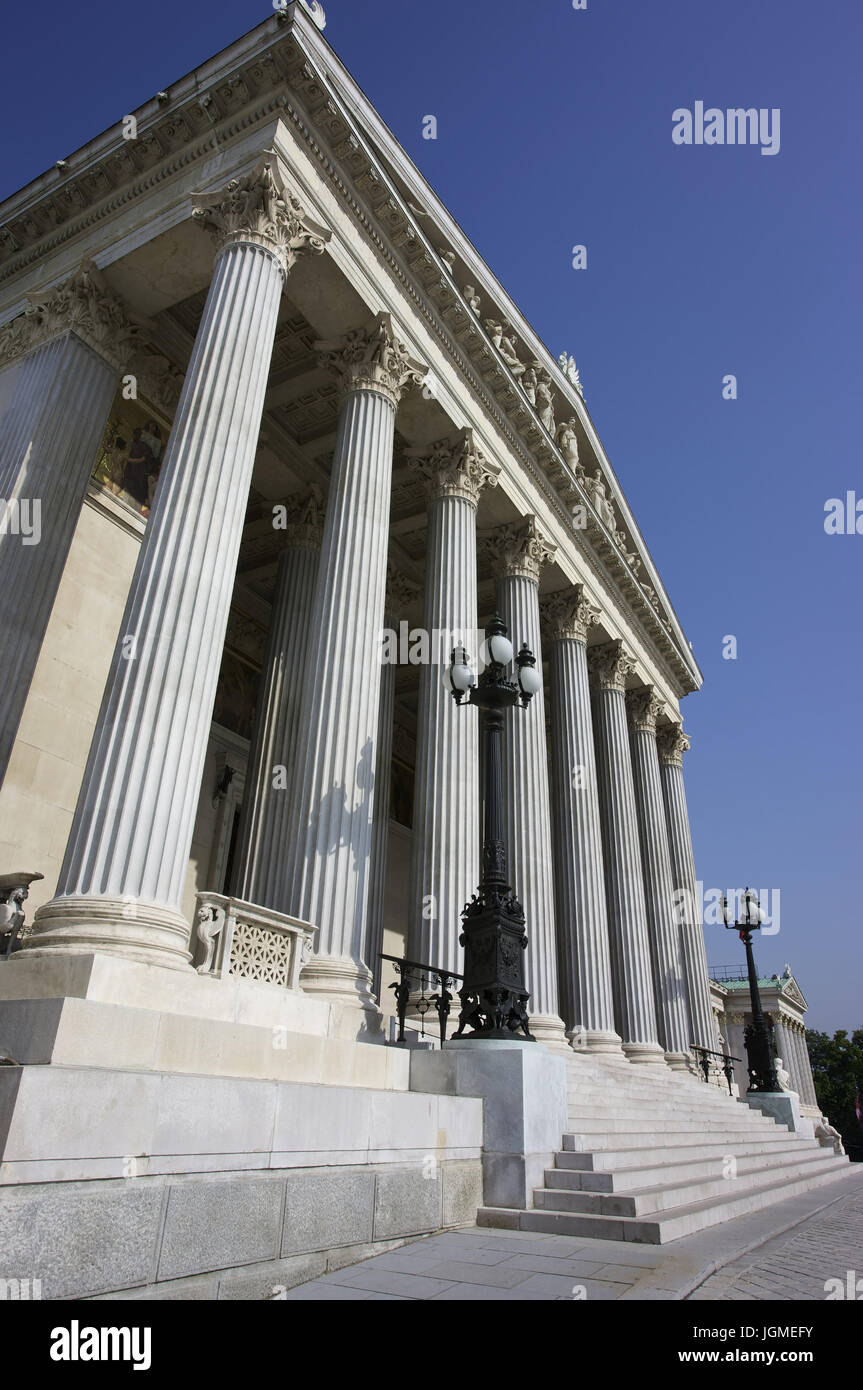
(724, 1066)
(418, 979)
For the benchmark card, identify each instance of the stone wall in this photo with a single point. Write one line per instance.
(236, 1235)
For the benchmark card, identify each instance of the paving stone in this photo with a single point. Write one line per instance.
(492, 1276)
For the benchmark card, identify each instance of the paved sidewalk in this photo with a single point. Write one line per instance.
(798, 1264)
(823, 1238)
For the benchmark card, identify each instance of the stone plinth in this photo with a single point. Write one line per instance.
(525, 1113)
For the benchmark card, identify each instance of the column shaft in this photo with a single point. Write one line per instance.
(528, 818)
(672, 744)
(669, 982)
(123, 875)
(445, 856)
(49, 436)
(270, 781)
(380, 827)
(627, 910)
(584, 952)
(327, 858)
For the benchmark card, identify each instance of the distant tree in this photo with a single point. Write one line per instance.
(837, 1067)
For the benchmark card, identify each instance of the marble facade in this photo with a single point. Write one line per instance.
(346, 406)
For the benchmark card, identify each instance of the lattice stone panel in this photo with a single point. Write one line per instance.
(260, 954)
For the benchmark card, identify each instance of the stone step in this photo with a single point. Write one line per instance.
(654, 1174)
(661, 1228)
(705, 1098)
(633, 1156)
(664, 1196)
(639, 1124)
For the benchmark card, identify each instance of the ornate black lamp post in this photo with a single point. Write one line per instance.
(494, 998)
(759, 1049)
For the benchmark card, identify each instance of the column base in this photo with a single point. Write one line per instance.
(596, 1041)
(346, 984)
(147, 932)
(679, 1061)
(550, 1030)
(644, 1053)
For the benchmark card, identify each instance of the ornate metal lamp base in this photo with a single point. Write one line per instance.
(494, 999)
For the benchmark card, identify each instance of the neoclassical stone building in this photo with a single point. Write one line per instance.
(266, 406)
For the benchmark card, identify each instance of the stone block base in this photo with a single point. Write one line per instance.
(238, 1236)
(784, 1107)
(523, 1088)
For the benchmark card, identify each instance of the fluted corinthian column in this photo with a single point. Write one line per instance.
(609, 665)
(327, 858)
(400, 592)
(672, 742)
(123, 875)
(584, 954)
(269, 783)
(666, 948)
(445, 856)
(518, 554)
(77, 339)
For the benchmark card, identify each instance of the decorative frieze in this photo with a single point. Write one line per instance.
(454, 467)
(84, 306)
(568, 615)
(259, 209)
(373, 358)
(609, 665)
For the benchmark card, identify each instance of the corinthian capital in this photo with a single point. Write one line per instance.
(83, 306)
(672, 743)
(519, 552)
(373, 358)
(304, 520)
(258, 208)
(609, 665)
(401, 592)
(568, 615)
(644, 707)
(454, 467)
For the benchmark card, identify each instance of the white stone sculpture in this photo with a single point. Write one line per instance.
(528, 385)
(566, 440)
(828, 1137)
(506, 348)
(599, 497)
(570, 371)
(545, 402)
(472, 298)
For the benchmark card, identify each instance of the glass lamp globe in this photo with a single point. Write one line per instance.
(530, 680)
(497, 648)
(460, 676)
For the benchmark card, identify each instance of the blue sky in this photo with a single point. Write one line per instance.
(554, 129)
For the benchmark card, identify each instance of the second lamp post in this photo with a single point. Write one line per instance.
(494, 997)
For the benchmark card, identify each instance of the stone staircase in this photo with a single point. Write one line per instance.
(652, 1155)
